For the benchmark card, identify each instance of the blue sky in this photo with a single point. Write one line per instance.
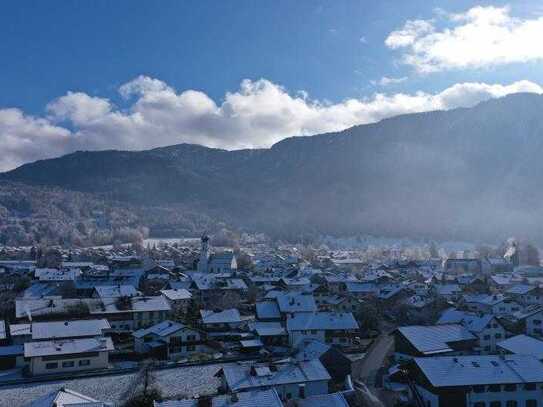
(318, 60)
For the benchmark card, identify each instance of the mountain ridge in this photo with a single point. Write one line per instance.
(466, 172)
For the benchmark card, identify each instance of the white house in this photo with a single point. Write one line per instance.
(291, 380)
(68, 355)
(478, 381)
(327, 327)
(169, 340)
(486, 327)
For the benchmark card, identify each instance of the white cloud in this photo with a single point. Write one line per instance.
(479, 37)
(259, 114)
(385, 81)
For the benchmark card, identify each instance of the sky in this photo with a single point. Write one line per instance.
(92, 75)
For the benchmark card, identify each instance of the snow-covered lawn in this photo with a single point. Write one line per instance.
(190, 381)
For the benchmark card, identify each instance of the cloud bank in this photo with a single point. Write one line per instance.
(259, 114)
(480, 37)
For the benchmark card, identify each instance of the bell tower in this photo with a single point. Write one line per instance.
(204, 254)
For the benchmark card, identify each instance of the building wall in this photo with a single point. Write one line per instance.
(490, 336)
(430, 399)
(520, 396)
(534, 325)
(38, 365)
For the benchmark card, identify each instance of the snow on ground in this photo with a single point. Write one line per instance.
(190, 381)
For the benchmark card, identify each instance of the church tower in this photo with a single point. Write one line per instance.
(204, 255)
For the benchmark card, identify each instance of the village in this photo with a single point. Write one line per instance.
(193, 324)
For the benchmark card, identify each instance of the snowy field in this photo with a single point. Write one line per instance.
(190, 381)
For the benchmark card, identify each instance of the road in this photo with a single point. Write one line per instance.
(374, 359)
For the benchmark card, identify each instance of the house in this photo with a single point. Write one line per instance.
(418, 340)
(260, 398)
(168, 340)
(295, 283)
(268, 310)
(486, 327)
(208, 287)
(462, 266)
(115, 291)
(338, 365)
(290, 303)
(126, 314)
(291, 380)
(86, 328)
(525, 294)
(522, 345)
(328, 400)
(270, 333)
(477, 381)
(220, 322)
(360, 290)
(67, 398)
(179, 299)
(534, 322)
(496, 304)
(61, 356)
(327, 327)
(3, 333)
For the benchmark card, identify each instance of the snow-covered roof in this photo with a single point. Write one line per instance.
(523, 345)
(177, 294)
(69, 329)
(321, 321)
(228, 316)
(435, 339)
(241, 377)
(296, 302)
(67, 347)
(115, 291)
(474, 370)
(267, 310)
(162, 329)
(324, 400)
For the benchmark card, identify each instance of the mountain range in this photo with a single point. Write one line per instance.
(469, 173)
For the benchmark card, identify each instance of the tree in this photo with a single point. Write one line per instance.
(52, 258)
(143, 391)
(530, 255)
(434, 254)
(368, 317)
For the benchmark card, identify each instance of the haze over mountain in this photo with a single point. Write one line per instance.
(469, 173)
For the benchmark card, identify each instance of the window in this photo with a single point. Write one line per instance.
(510, 387)
(314, 332)
(190, 348)
(495, 404)
(498, 336)
(511, 403)
(68, 364)
(494, 388)
(84, 362)
(52, 365)
(531, 403)
(486, 337)
(536, 322)
(529, 386)
(479, 404)
(478, 389)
